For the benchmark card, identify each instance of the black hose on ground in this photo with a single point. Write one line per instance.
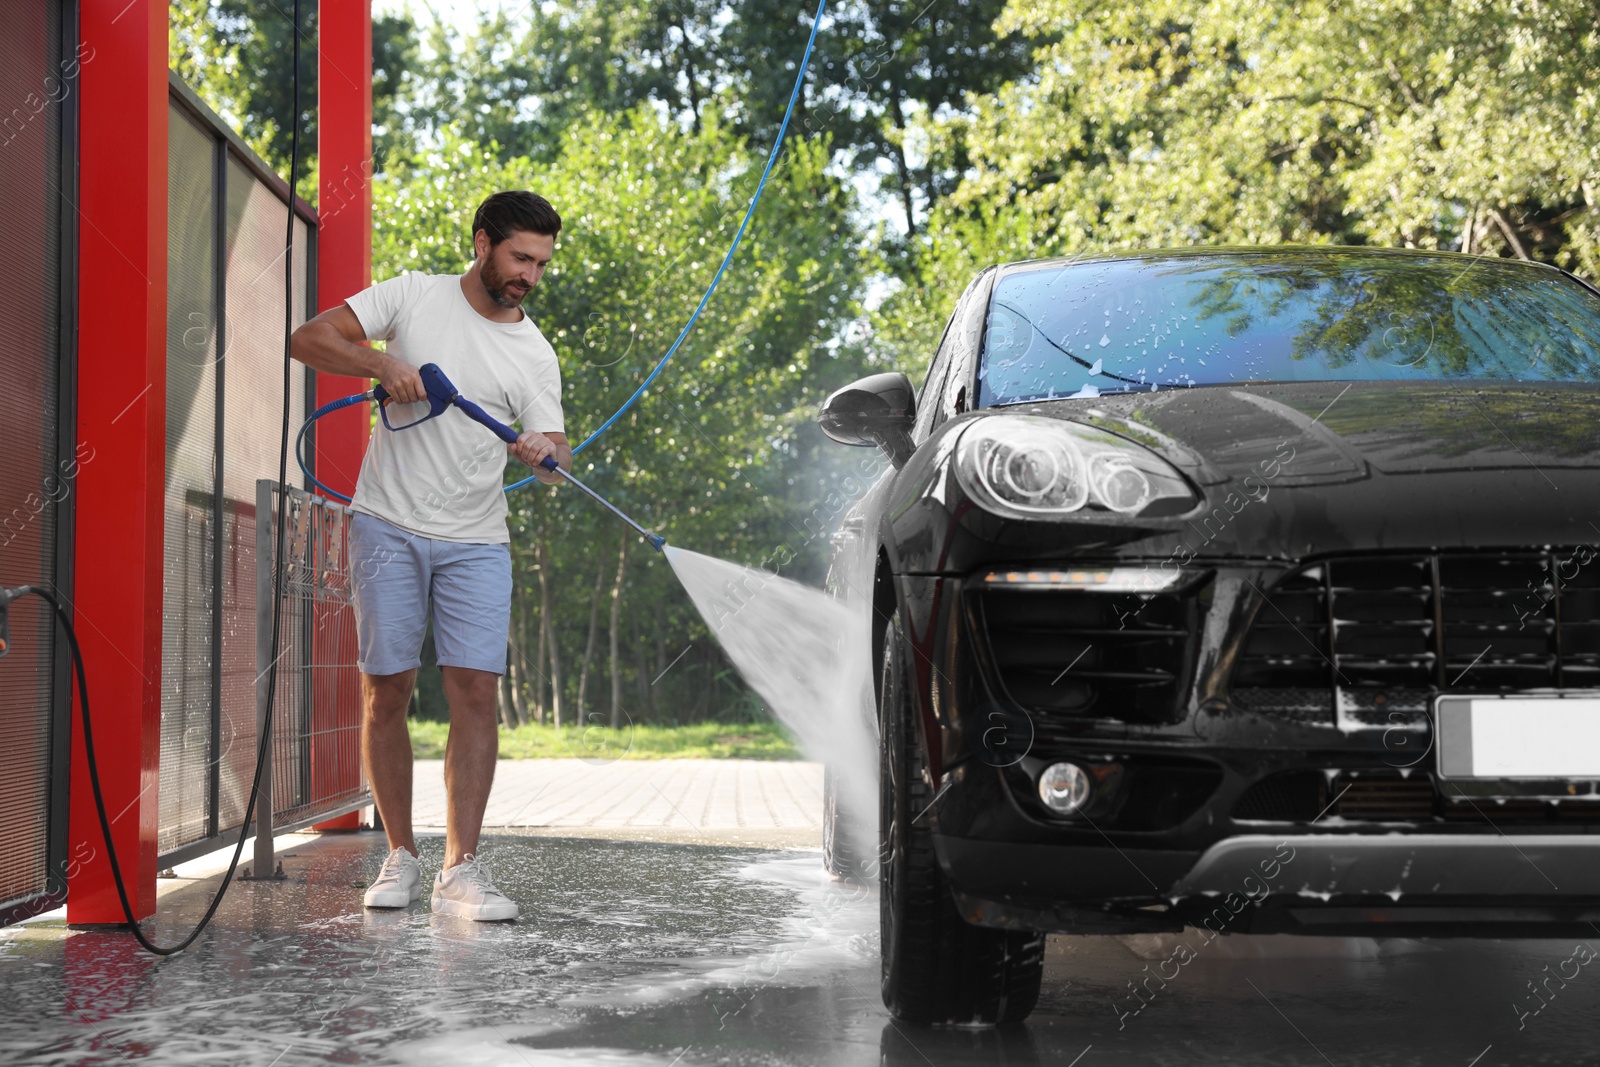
(263, 749)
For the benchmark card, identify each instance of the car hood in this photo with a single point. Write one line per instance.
(1375, 466)
(1347, 430)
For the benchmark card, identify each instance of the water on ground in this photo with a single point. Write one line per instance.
(665, 954)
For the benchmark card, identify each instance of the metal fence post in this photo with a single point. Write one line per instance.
(266, 590)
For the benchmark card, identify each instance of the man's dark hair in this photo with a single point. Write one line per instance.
(515, 209)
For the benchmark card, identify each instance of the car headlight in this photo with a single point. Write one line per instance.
(1039, 466)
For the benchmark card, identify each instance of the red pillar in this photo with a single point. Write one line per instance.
(344, 209)
(122, 341)
(344, 267)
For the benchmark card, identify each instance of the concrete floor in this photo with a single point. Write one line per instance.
(668, 953)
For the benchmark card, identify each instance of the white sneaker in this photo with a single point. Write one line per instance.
(398, 884)
(466, 891)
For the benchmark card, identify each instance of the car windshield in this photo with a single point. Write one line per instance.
(1083, 329)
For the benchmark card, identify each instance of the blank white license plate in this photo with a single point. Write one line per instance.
(1519, 737)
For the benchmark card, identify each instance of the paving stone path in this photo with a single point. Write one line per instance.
(670, 795)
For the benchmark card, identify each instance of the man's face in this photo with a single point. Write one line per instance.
(515, 265)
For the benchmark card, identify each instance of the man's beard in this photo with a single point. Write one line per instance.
(498, 285)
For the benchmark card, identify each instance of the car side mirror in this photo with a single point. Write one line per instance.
(876, 410)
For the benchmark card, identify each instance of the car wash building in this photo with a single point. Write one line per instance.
(143, 363)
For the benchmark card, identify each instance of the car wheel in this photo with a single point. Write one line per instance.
(846, 845)
(937, 968)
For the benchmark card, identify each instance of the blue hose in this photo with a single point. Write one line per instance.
(300, 440)
(772, 158)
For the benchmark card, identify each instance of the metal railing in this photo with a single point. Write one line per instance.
(226, 309)
(315, 769)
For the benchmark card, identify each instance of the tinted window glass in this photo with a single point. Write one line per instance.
(961, 336)
(1083, 329)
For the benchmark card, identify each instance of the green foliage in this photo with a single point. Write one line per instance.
(1419, 123)
(237, 54)
(705, 740)
(520, 83)
(877, 67)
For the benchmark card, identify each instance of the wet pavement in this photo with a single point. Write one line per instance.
(667, 953)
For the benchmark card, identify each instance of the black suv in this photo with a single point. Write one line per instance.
(1244, 589)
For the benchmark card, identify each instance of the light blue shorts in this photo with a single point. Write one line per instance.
(397, 577)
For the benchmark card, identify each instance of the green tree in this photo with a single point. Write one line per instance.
(236, 54)
(519, 80)
(1420, 123)
(877, 68)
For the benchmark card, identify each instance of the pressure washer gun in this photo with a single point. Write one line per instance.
(442, 395)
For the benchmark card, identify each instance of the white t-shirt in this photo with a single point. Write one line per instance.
(443, 479)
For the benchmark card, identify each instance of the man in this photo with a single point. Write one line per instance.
(429, 531)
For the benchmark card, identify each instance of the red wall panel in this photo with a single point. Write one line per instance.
(122, 323)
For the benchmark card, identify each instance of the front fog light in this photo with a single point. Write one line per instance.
(1064, 788)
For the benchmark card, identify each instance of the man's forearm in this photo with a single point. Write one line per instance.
(321, 347)
(563, 460)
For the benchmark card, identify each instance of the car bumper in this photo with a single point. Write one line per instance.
(1331, 883)
(1193, 786)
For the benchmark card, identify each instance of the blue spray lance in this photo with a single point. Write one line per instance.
(442, 396)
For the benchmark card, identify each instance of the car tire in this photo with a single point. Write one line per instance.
(937, 968)
(846, 844)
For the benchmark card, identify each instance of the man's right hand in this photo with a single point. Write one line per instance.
(401, 380)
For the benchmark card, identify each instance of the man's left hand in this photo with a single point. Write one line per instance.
(532, 447)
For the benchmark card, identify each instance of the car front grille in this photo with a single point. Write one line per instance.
(1373, 635)
(1389, 796)
(1078, 654)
